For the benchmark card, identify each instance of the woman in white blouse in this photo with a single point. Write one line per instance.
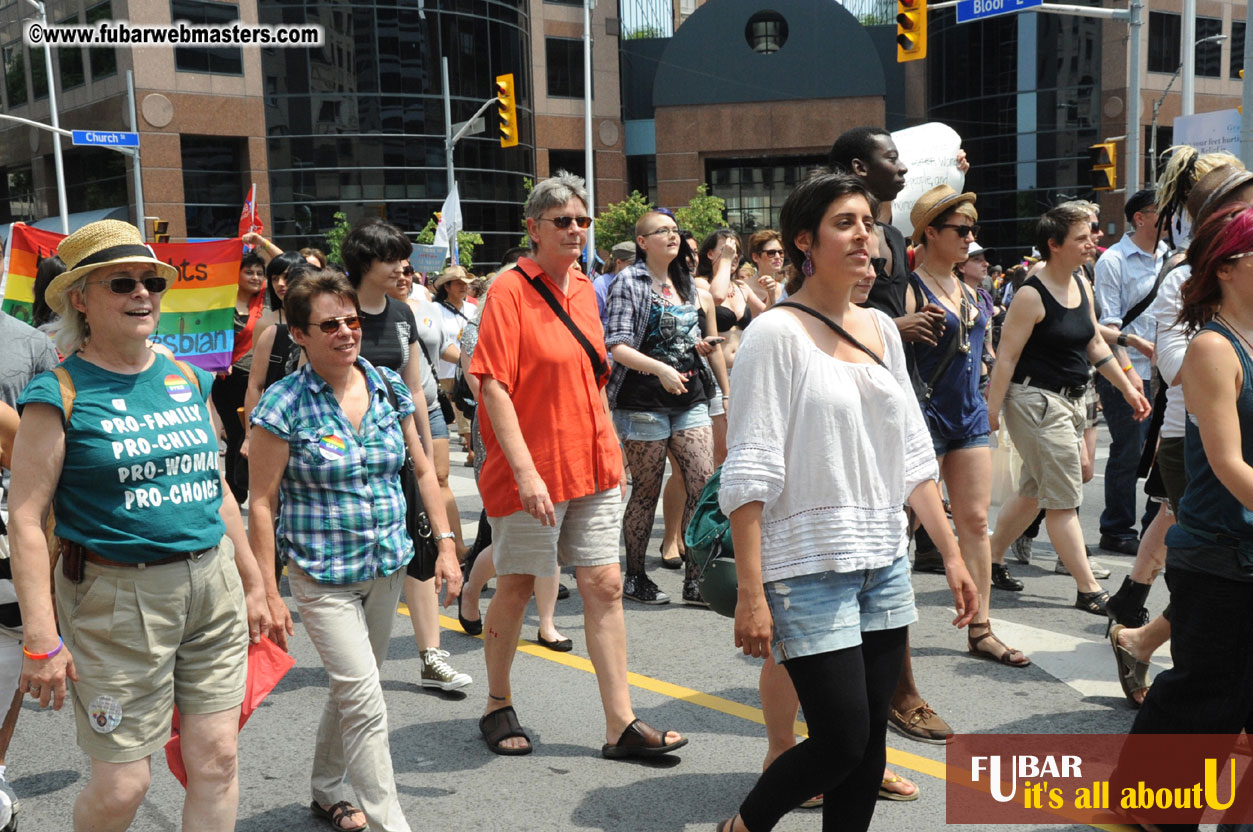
(826, 445)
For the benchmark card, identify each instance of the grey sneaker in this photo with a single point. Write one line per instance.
(1099, 570)
(437, 673)
(1022, 549)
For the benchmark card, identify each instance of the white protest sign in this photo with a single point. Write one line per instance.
(1209, 132)
(930, 153)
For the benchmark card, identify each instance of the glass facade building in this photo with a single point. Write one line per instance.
(1020, 91)
(357, 125)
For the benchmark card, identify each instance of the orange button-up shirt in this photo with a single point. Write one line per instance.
(555, 392)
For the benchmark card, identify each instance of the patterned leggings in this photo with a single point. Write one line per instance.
(693, 449)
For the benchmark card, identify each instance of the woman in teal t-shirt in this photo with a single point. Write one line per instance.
(121, 441)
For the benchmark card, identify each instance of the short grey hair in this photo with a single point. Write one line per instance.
(72, 330)
(554, 192)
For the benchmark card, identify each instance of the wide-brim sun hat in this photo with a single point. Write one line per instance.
(450, 276)
(96, 245)
(1213, 189)
(938, 201)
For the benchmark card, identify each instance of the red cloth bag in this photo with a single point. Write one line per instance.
(267, 665)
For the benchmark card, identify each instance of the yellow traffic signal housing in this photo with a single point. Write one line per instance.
(1104, 159)
(160, 231)
(911, 30)
(507, 107)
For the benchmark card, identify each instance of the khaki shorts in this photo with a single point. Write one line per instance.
(586, 534)
(146, 639)
(1047, 429)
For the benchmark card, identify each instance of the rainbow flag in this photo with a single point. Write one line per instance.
(197, 312)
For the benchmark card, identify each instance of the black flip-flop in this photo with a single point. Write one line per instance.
(640, 740)
(499, 726)
(336, 813)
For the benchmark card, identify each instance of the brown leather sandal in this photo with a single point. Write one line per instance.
(1010, 657)
(336, 813)
(640, 740)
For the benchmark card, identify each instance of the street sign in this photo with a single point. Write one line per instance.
(968, 10)
(479, 125)
(106, 138)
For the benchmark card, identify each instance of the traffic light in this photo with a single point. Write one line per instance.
(911, 30)
(507, 107)
(1104, 159)
(160, 231)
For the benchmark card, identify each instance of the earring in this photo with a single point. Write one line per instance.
(807, 268)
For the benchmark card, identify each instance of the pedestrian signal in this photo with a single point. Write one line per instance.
(507, 107)
(1104, 159)
(911, 30)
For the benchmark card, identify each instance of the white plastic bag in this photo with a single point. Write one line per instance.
(1006, 467)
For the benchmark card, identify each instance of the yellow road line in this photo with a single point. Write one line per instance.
(896, 757)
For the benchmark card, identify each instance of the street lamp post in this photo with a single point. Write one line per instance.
(1157, 105)
(56, 123)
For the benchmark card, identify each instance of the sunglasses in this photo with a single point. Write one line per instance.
(407, 271)
(331, 325)
(564, 222)
(772, 252)
(126, 285)
(1094, 227)
(962, 230)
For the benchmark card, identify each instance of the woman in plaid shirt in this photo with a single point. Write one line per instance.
(334, 444)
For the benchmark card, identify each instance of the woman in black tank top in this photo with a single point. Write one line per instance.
(1041, 373)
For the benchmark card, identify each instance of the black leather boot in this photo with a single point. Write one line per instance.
(1126, 607)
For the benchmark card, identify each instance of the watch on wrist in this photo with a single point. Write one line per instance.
(444, 536)
(1122, 339)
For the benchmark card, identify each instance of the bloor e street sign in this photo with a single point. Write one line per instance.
(969, 10)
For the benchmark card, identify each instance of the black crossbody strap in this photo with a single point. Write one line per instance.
(1168, 265)
(839, 330)
(950, 351)
(598, 364)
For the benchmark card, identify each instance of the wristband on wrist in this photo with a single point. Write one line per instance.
(41, 656)
(1122, 339)
(1127, 369)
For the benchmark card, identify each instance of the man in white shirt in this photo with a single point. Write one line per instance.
(1126, 276)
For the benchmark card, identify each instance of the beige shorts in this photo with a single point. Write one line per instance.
(1047, 429)
(586, 534)
(146, 639)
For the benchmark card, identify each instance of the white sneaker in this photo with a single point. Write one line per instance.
(437, 673)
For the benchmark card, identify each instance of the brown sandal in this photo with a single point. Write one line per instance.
(336, 813)
(641, 740)
(1010, 657)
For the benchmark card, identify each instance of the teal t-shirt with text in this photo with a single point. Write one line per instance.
(141, 477)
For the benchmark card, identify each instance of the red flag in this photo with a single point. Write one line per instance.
(248, 219)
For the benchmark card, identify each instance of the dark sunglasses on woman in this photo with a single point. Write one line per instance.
(564, 222)
(126, 285)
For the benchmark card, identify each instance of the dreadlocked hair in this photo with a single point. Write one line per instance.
(1184, 169)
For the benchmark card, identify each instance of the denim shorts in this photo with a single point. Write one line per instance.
(828, 611)
(439, 427)
(651, 426)
(943, 446)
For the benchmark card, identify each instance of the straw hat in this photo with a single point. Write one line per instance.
(1213, 189)
(454, 273)
(99, 244)
(939, 200)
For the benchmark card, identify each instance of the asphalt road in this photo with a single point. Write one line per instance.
(687, 675)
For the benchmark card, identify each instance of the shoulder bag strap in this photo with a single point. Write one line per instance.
(279, 350)
(453, 310)
(839, 330)
(1168, 265)
(68, 391)
(187, 372)
(598, 365)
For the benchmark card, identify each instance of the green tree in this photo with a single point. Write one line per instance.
(335, 237)
(616, 222)
(702, 214)
(466, 241)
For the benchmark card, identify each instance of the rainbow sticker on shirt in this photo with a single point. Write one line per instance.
(177, 388)
(332, 447)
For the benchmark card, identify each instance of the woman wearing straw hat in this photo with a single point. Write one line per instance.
(152, 614)
(954, 408)
(451, 289)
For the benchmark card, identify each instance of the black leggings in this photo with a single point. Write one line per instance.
(845, 695)
(228, 397)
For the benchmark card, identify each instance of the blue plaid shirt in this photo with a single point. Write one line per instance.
(343, 512)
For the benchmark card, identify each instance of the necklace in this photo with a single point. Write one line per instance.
(1233, 328)
(962, 310)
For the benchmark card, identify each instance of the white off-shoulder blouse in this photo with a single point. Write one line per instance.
(832, 448)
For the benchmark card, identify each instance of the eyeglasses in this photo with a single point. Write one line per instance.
(331, 325)
(564, 222)
(772, 253)
(125, 285)
(662, 232)
(407, 271)
(962, 230)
